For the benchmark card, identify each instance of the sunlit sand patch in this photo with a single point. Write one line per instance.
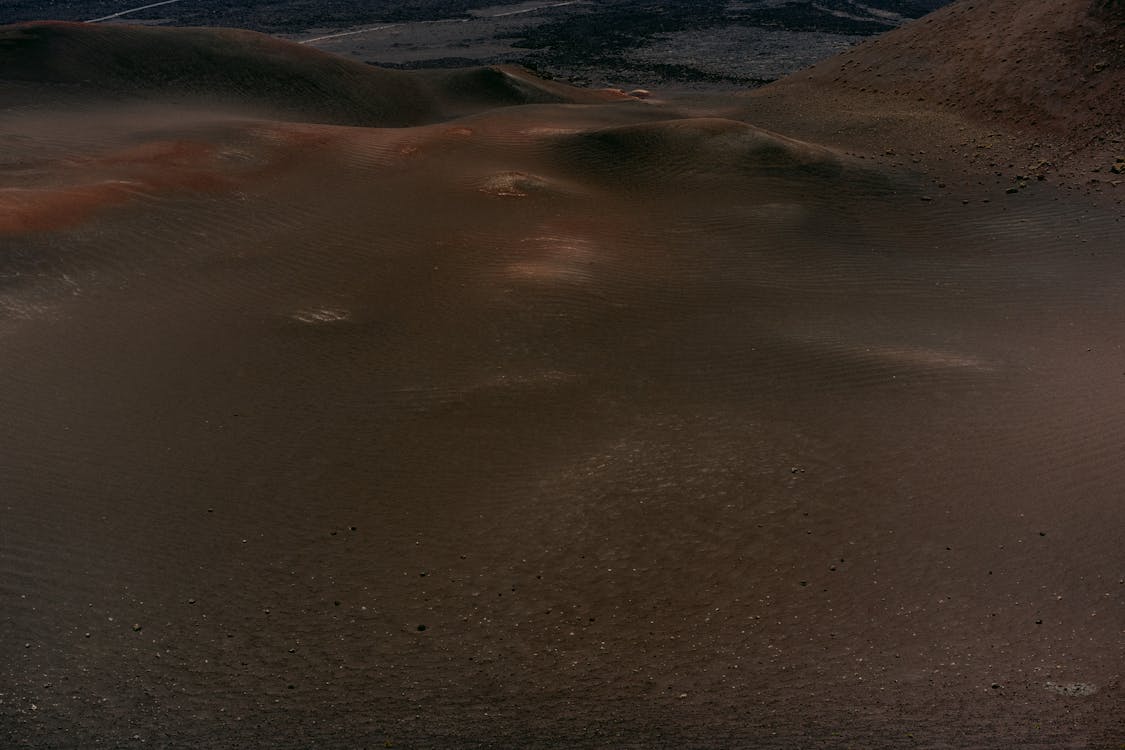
(926, 357)
(775, 212)
(420, 146)
(900, 355)
(556, 258)
(548, 131)
(162, 153)
(47, 209)
(239, 156)
(502, 384)
(38, 302)
(14, 308)
(394, 146)
(69, 190)
(181, 163)
(514, 185)
(548, 271)
(322, 316)
(293, 135)
(529, 379)
(408, 149)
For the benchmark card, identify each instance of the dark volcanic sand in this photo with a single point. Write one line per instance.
(556, 425)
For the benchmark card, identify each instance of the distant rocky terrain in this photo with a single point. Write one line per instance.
(611, 42)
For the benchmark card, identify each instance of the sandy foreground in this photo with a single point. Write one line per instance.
(525, 416)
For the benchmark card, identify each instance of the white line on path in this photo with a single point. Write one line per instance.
(531, 10)
(379, 28)
(349, 33)
(132, 10)
(441, 20)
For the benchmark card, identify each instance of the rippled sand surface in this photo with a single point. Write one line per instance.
(579, 425)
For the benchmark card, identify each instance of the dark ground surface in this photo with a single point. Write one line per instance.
(616, 42)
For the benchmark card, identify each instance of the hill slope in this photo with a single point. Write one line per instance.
(1044, 67)
(249, 70)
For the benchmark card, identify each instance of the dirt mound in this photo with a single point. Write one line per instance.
(251, 70)
(220, 65)
(1045, 68)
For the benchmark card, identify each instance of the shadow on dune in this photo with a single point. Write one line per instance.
(253, 71)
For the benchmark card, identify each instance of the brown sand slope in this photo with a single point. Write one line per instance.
(1047, 75)
(1051, 67)
(251, 71)
(556, 425)
(229, 67)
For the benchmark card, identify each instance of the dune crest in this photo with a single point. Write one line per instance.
(256, 73)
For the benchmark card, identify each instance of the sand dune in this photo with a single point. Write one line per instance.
(1053, 68)
(347, 408)
(216, 67)
(1050, 74)
(254, 72)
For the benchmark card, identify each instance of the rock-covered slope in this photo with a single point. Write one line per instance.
(1045, 68)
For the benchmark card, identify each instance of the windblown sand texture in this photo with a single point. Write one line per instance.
(357, 408)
